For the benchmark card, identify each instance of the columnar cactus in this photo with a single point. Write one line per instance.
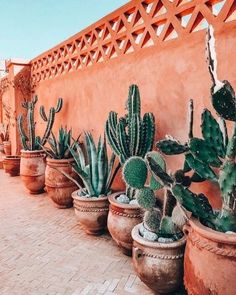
(135, 174)
(131, 135)
(214, 150)
(31, 141)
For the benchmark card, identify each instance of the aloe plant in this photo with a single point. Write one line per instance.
(93, 166)
(59, 148)
(4, 132)
(29, 140)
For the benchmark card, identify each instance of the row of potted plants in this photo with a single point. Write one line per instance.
(151, 228)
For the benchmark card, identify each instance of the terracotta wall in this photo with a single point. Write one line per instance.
(93, 69)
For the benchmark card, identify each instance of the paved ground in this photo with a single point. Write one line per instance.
(44, 251)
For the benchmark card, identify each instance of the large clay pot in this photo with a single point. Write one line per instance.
(210, 261)
(32, 170)
(58, 186)
(11, 165)
(7, 148)
(91, 212)
(158, 265)
(121, 220)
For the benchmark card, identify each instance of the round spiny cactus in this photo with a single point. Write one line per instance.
(152, 220)
(146, 198)
(135, 172)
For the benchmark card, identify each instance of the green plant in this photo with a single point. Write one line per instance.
(131, 135)
(31, 141)
(135, 174)
(59, 148)
(4, 132)
(211, 157)
(94, 167)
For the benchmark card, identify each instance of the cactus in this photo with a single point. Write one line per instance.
(93, 166)
(59, 148)
(215, 149)
(135, 174)
(131, 135)
(31, 141)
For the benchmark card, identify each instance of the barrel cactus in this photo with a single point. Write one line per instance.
(131, 135)
(156, 221)
(30, 141)
(214, 150)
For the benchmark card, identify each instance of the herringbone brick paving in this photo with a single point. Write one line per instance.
(43, 250)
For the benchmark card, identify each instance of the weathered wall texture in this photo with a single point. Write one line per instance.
(158, 45)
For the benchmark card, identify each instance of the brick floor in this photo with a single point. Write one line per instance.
(44, 251)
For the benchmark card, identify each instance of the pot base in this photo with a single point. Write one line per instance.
(94, 232)
(37, 192)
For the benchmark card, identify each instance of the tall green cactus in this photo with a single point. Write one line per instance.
(93, 166)
(32, 142)
(135, 174)
(214, 150)
(131, 135)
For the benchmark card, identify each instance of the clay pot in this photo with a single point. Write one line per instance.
(11, 165)
(7, 147)
(121, 220)
(1, 148)
(158, 265)
(92, 213)
(32, 170)
(58, 186)
(210, 261)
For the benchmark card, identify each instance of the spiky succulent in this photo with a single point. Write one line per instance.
(214, 150)
(131, 135)
(93, 166)
(30, 141)
(135, 174)
(4, 132)
(59, 148)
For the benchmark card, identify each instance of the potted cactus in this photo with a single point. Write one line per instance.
(128, 136)
(58, 186)
(5, 145)
(32, 165)
(211, 234)
(97, 172)
(158, 246)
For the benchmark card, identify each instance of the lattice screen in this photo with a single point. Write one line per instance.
(137, 25)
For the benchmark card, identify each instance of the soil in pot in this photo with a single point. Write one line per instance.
(210, 261)
(58, 186)
(11, 165)
(91, 212)
(32, 170)
(121, 220)
(159, 265)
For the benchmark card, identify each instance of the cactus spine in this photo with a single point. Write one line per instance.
(32, 142)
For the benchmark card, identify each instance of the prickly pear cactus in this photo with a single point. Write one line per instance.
(30, 141)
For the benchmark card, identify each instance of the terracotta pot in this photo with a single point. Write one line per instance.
(121, 220)
(158, 265)
(58, 186)
(7, 147)
(32, 170)
(92, 213)
(11, 165)
(210, 261)
(1, 148)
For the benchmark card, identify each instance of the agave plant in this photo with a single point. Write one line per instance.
(59, 148)
(93, 166)
(4, 132)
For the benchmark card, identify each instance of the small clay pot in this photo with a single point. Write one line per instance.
(91, 212)
(121, 220)
(32, 170)
(210, 261)
(7, 148)
(58, 186)
(11, 165)
(1, 148)
(158, 265)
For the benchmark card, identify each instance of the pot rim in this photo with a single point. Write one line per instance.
(58, 161)
(211, 234)
(6, 141)
(112, 199)
(155, 245)
(76, 197)
(12, 157)
(32, 152)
